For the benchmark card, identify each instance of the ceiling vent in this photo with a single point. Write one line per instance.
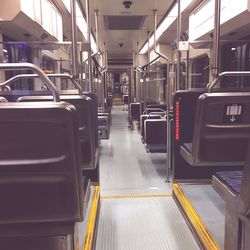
(124, 22)
(120, 61)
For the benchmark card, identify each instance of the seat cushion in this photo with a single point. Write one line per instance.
(157, 148)
(188, 146)
(232, 179)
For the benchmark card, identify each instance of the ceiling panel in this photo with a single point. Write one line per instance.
(129, 27)
(123, 22)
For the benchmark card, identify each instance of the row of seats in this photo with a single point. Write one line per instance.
(202, 132)
(153, 128)
(104, 122)
(49, 149)
(217, 135)
(86, 104)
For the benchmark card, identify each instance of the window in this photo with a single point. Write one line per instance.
(200, 72)
(37, 11)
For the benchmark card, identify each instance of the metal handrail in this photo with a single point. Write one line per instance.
(36, 69)
(28, 76)
(168, 100)
(226, 73)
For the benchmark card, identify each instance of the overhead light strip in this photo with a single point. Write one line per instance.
(165, 24)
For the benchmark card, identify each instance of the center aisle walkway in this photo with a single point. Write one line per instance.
(137, 210)
(125, 166)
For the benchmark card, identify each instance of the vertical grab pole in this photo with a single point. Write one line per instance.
(106, 64)
(216, 39)
(168, 98)
(178, 68)
(89, 52)
(105, 77)
(139, 76)
(75, 64)
(96, 29)
(147, 83)
(134, 76)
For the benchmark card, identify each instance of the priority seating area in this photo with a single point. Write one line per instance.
(217, 136)
(49, 155)
(234, 188)
(221, 130)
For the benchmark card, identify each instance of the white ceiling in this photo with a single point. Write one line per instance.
(129, 38)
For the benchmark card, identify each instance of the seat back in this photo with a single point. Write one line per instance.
(13, 95)
(94, 122)
(142, 120)
(162, 114)
(155, 131)
(135, 111)
(125, 99)
(185, 102)
(245, 184)
(150, 110)
(83, 109)
(221, 129)
(159, 106)
(40, 175)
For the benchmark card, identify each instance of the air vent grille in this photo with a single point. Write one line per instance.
(123, 22)
(120, 61)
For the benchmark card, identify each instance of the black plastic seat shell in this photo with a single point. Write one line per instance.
(40, 177)
(216, 142)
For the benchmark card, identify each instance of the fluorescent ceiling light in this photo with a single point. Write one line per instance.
(165, 24)
(93, 44)
(67, 4)
(82, 24)
(201, 22)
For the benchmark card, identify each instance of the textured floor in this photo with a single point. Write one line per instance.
(141, 222)
(125, 166)
(150, 223)
(210, 207)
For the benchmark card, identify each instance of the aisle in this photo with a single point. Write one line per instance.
(137, 210)
(125, 166)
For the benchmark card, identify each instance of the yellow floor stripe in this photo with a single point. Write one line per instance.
(135, 196)
(76, 244)
(205, 237)
(88, 239)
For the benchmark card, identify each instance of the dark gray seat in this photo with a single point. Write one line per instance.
(93, 172)
(142, 120)
(150, 110)
(221, 130)
(231, 179)
(135, 111)
(159, 106)
(125, 99)
(13, 96)
(40, 174)
(156, 135)
(83, 108)
(234, 188)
